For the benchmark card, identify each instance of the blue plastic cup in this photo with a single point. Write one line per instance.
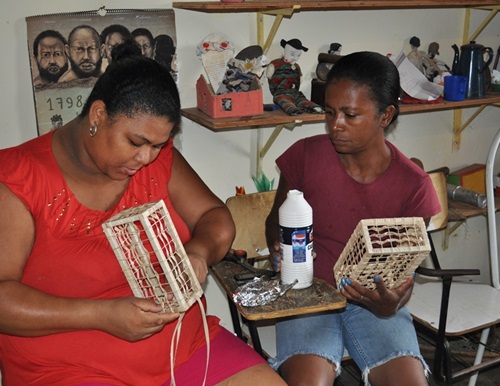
(455, 87)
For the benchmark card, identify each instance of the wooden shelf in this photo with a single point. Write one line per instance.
(284, 8)
(281, 9)
(460, 211)
(491, 99)
(278, 117)
(267, 119)
(268, 6)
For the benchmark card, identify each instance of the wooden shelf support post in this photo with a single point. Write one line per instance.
(448, 231)
(279, 15)
(262, 150)
(458, 126)
(265, 43)
(494, 10)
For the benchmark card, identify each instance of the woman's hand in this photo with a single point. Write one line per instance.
(132, 319)
(275, 257)
(381, 301)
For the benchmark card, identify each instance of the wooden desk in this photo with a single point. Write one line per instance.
(320, 297)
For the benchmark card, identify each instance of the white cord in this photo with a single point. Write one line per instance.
(175, 343)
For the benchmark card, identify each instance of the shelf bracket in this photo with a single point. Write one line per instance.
(494, 10)
(448, 231)
(458, 126)
(265, 43)
(279, 15)
(262, 151)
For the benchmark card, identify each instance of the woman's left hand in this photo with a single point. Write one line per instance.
(381, 301)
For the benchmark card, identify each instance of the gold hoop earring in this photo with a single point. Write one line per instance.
(93, 130)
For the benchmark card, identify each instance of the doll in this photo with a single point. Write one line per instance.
(284, 76)
(435, 69)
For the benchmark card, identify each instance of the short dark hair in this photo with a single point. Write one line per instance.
(133, 84)
(373, 70)
(143, 32)
(164, 50)
(121, 29)
(48, 33)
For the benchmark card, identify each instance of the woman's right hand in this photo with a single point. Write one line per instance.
(275, 256)
(132, 319)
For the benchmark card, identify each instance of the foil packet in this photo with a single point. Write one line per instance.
(261, 290)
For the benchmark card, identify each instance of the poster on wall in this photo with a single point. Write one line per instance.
(69, 51)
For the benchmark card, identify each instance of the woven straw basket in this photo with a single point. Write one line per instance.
(391, 248)
(152, 256)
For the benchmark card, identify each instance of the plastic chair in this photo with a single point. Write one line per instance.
(442, 311)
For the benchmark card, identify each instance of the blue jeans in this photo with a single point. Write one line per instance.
(370, 340)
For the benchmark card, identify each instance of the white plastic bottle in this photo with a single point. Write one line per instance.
(296, 240)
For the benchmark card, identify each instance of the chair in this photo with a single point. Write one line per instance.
(443, 307)
(249, 213)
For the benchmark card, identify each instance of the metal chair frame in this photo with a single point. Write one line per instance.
(442, 362)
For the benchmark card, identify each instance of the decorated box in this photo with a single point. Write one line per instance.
(472, 177)
(236, 104)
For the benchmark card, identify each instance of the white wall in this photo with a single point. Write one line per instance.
(227, 159)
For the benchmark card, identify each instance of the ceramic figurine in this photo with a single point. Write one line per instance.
(284, 76)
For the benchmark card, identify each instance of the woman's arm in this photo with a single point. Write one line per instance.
(207, 217)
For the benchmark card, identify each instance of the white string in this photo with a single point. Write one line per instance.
(174, 344)
(207, 337)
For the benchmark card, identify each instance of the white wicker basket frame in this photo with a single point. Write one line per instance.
(138, 233)
(391, 248)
